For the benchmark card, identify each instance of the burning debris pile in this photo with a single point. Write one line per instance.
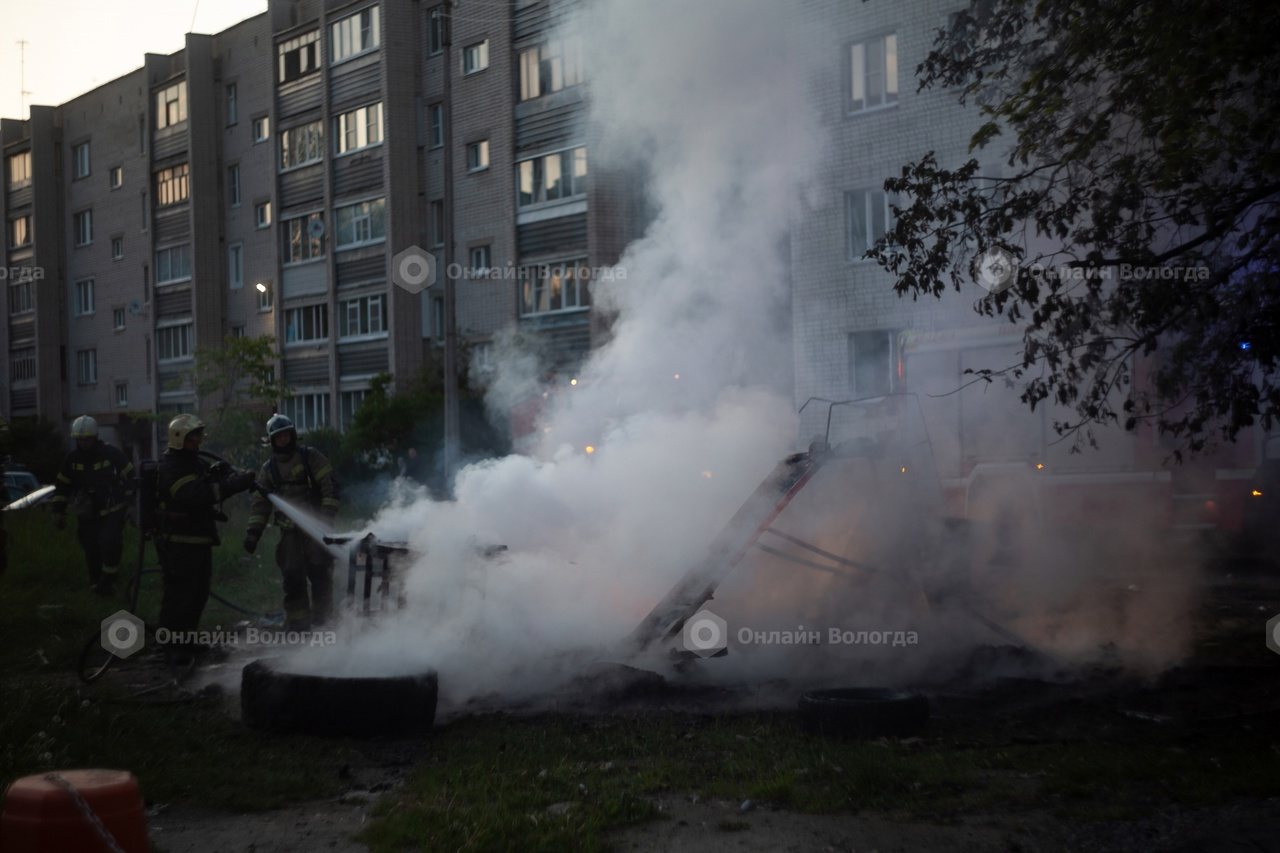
(685, 410)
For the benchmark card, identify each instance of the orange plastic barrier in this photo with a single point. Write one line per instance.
(41, 816)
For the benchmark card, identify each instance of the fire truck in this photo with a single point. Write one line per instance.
(990, 447)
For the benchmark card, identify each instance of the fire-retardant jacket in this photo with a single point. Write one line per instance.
(101, 479)
(303, 479)
(187, 499)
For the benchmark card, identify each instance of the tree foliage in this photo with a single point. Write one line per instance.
(1139, 195)
(238, 389)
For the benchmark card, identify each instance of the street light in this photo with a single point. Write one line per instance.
(262, 288)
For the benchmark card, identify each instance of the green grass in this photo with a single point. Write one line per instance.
(558, 783)
(562, 782)
(192, 752)
(49, 610)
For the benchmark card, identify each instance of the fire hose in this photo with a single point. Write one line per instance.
(93, 664)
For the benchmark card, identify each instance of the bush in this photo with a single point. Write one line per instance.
(38, 445)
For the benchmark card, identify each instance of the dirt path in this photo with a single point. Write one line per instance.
(718, 826)
(320, 826)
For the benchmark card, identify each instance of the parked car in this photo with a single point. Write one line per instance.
(18, 484)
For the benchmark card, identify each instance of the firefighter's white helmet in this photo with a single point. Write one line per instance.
(84, 427)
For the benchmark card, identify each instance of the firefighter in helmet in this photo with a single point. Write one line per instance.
(97, 479)
(188, 491)
(302, 476)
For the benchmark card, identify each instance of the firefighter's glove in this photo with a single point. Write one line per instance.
(60, 520)
(234, 484)
(251, 540)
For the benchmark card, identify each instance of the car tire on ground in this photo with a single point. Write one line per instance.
(277, 701)
(864, 712)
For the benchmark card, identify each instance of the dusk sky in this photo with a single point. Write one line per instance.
(77, 45)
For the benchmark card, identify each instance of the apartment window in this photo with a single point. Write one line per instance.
(553, 177)
(552, 288)
(303, 238)
(362, 223)
(437, 223)
(171, 105)
(354, 35)
(308, 411)
(172, 185)
(482, 358)
(873, 73)
(235, 266)
(117, 319)
(363, 316)
(116, 177)
(233, 184)
(233, 105)
(550, 67)
(173, 343)
(237, 331)
(22, 364)
(261, 129)
(19, 170)
(83, 296)
(299, 56)
(437, 125)
(479, 260)
(871, 367)
(266, 298)
(122, 394)
(358, 128)
(868, 217)
(262, 214)
(435, 31)
(80, 160)
(349, 403)
(437, 318)
(308, 323)
(87, 366)
(20, 232)
(82, 225)
(21, 298)
(478, 156)
(173, 264)
(475, 57)
(301, 145)
(117, 248)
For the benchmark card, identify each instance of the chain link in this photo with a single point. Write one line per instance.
(85, 809)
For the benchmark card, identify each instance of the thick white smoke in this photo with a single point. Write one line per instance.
(686, 407)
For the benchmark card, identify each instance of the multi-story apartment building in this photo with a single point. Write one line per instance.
(854, 337)
(260, 180)
(848, 322)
